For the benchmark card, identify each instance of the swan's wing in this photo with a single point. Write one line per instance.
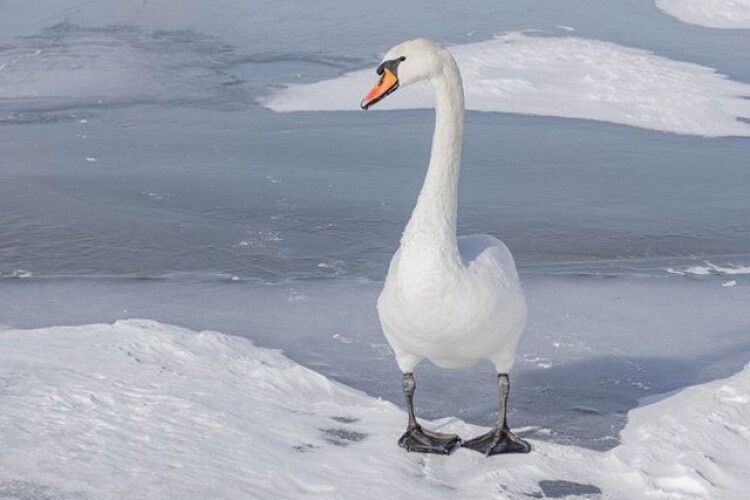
(480, 250)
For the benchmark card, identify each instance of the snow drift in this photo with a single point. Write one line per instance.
(727, 14)
(560, 76)
(141, 409)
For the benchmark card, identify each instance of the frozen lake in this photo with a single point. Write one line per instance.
(269, 196)
(140, 176)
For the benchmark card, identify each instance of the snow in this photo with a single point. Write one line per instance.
(609, 341)
(16, 274)
(727, 14)
(142, 409)
(561, 76)
(709, 268)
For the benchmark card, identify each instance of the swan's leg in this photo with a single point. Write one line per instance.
(418, 439)
(500, 439)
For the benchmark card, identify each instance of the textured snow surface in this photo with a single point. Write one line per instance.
(560, 76)
(139, 409)
(727, 14)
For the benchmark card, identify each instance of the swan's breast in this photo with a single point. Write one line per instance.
(468, 308)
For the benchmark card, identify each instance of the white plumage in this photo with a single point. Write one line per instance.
(454, 301)
(454, 312)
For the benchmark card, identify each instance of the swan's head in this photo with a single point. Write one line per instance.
(406, 63)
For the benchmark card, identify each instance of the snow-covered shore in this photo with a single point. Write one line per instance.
(723, 14)
(139, 409)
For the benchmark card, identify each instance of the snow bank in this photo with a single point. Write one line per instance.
(726, 14)
(140, 409)
(560, 76)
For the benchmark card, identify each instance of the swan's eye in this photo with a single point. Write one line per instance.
(391, 64)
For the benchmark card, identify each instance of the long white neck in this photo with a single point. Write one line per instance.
(431, 231)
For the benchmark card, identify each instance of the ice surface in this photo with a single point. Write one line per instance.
(727, 14)
(142, 409)
(192, 176)
(177, 189)
(561, 76)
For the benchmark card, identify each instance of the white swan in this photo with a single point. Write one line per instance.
(454, 301)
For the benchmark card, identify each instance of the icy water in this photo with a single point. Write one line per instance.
(139, 177)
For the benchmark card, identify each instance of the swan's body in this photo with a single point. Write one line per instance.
(454, 301)
(454, 312)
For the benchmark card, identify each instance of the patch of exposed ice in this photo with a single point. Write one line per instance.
(152, 195)
(16, 274)
(160, 411)
(709, 268)
(332, 266)
(538, 361)
(112, 63)
(727, 14)
(694, 270)
(259, 239)
(562, 76)
(344, 339)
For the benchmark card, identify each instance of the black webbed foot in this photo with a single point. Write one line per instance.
(420, 440)
(498, 441)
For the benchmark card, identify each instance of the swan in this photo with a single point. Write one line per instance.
(451, 300)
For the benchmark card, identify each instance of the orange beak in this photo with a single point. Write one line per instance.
(387, 84)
